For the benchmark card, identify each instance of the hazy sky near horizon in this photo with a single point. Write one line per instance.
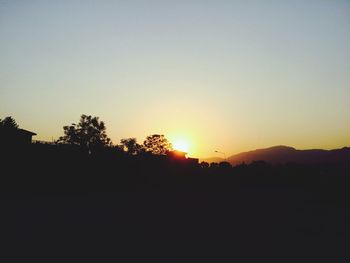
(227, 75)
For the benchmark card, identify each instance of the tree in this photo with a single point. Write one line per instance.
(89, 134)
(204, 165)
(157, 144)
(8, 131)
(8, 123)
(130, 146)
(225, 165)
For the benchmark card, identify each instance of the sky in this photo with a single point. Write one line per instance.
(225, 76)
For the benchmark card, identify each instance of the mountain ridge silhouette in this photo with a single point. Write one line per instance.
(287, 154)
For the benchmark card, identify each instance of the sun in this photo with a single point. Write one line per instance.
(181, 145)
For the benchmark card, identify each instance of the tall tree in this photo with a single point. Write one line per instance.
(8, 131)
(8, 123)
(157, 144)
(89, 133)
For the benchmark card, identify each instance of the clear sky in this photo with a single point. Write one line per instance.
(225, 75)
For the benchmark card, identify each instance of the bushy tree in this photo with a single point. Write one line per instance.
(89, 133)
(157, 144)
(130, 146)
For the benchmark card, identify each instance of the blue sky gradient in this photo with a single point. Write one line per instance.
(225, 75)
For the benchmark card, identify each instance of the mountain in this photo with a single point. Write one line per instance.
(285, 154)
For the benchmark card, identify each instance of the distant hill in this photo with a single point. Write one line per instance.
(285, 154)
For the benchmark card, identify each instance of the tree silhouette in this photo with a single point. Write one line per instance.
(225, 165)
(204, 165)
(89, 134)
(8, 131)
(8, 123)
(157, 144)
(130, 146)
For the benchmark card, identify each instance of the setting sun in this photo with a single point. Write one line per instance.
(184, 140)
(181, 145)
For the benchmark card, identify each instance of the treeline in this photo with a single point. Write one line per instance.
(90, 135)
(84, 159)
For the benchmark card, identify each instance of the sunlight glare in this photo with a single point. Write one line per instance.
(181, 145)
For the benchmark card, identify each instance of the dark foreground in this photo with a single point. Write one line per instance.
(128, 210)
